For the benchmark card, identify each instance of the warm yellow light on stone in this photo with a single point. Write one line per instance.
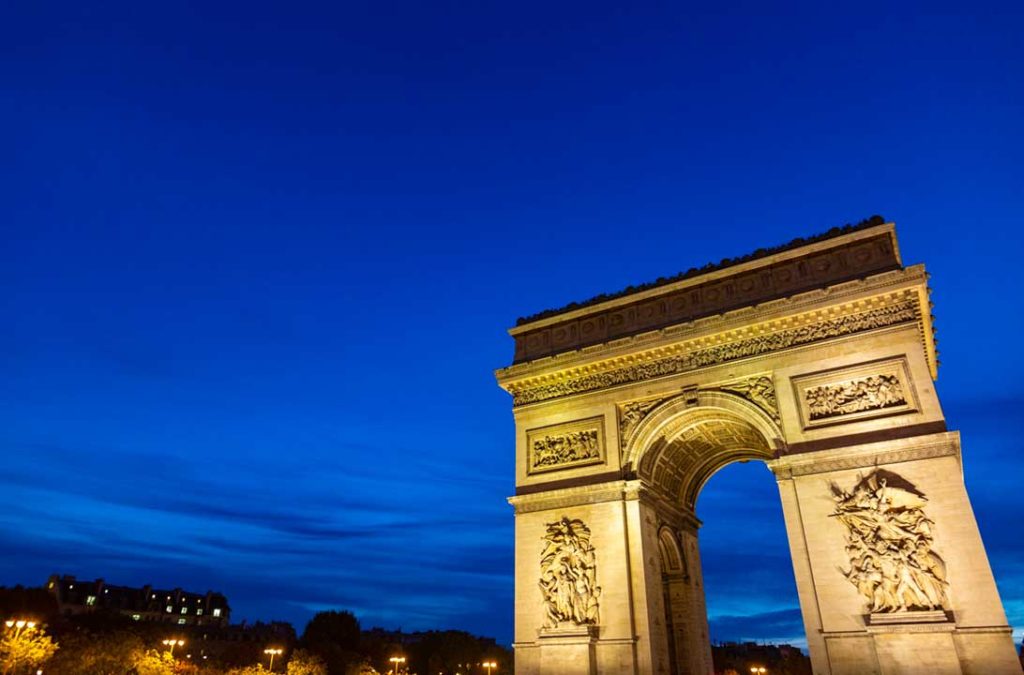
(818, 360)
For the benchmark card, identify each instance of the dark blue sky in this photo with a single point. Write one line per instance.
(258, 260)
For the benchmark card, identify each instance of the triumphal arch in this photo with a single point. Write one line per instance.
(817, 358)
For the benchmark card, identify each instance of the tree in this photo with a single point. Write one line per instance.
(86, 653)
(249, 670)
(334, 637)
(25, 647)
(303, 662)
(152, 662)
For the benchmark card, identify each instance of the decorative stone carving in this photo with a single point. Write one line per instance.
(821, 329)
(889, 542)
(632, 413)
(869, 393)
(568, 574)
(849, 394)
(566, 445)
(758, 390)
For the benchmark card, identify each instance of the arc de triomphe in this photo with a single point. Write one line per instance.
(817, 358)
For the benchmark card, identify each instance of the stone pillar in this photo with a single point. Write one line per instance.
(867, 525)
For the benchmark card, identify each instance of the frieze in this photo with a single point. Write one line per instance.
(563, 446)
(879, 317)
(844, 260)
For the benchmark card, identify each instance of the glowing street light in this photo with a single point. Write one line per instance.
(171, 644)
(758, 670)
(488, 665)
(397, 660)
(273, 651)
(19, 625)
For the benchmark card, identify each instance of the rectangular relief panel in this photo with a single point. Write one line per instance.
(565, 446)
(857, 393)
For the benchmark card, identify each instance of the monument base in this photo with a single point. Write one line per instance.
(568, 649)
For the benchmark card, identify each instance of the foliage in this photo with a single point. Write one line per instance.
(25, 648)
(249, 670)
(303, 662)
(363, 668)
(334, 637)
(87, 653)
(153, 662)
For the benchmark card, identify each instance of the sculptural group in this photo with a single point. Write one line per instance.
(889, 542)
(568, 578)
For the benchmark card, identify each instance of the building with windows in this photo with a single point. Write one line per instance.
(175, 606)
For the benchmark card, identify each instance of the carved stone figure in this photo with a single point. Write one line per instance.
(889, 543)
(869, 393)
(758, 390)
(567, 448)
(568, 574)
(632, 414)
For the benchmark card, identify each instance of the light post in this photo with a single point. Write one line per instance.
(273, 652)
(397, 660)
(758, 670)
(488, 665)
(19, 625)
(171, 644)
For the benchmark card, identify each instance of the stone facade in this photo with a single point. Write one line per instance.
(818, 360)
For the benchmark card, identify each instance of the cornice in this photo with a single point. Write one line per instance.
(798, 248)
(837, 320)
(566, 497)
(595, 355)
(944, 444)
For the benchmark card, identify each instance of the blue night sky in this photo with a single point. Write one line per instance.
(258, 261)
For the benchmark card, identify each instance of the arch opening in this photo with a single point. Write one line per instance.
(675, 451)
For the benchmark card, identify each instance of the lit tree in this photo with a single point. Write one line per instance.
(152, 662)
(258, 669)
(25, 647)
(96, 654)
(305, 663)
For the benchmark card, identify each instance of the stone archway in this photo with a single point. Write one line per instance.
(816, 358)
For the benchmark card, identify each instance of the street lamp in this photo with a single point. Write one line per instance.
(397, 660)
(273, 652)
(488, 665)
(758, 670)
(171, 644)
(19, 625)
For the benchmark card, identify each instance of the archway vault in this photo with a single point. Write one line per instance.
(816, 358)
(686, 439)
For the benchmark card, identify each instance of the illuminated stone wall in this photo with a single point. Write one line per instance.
(829, 380)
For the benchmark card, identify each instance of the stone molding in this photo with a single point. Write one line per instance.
(801, 269)
(879, 312)
(912, 278)
(567, 497)
(867, 455)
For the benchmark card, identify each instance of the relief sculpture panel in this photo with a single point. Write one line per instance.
(565, 445)
(568, 574)
(867, 391)
(889, 542)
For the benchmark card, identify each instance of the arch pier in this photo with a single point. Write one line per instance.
(816, 358)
